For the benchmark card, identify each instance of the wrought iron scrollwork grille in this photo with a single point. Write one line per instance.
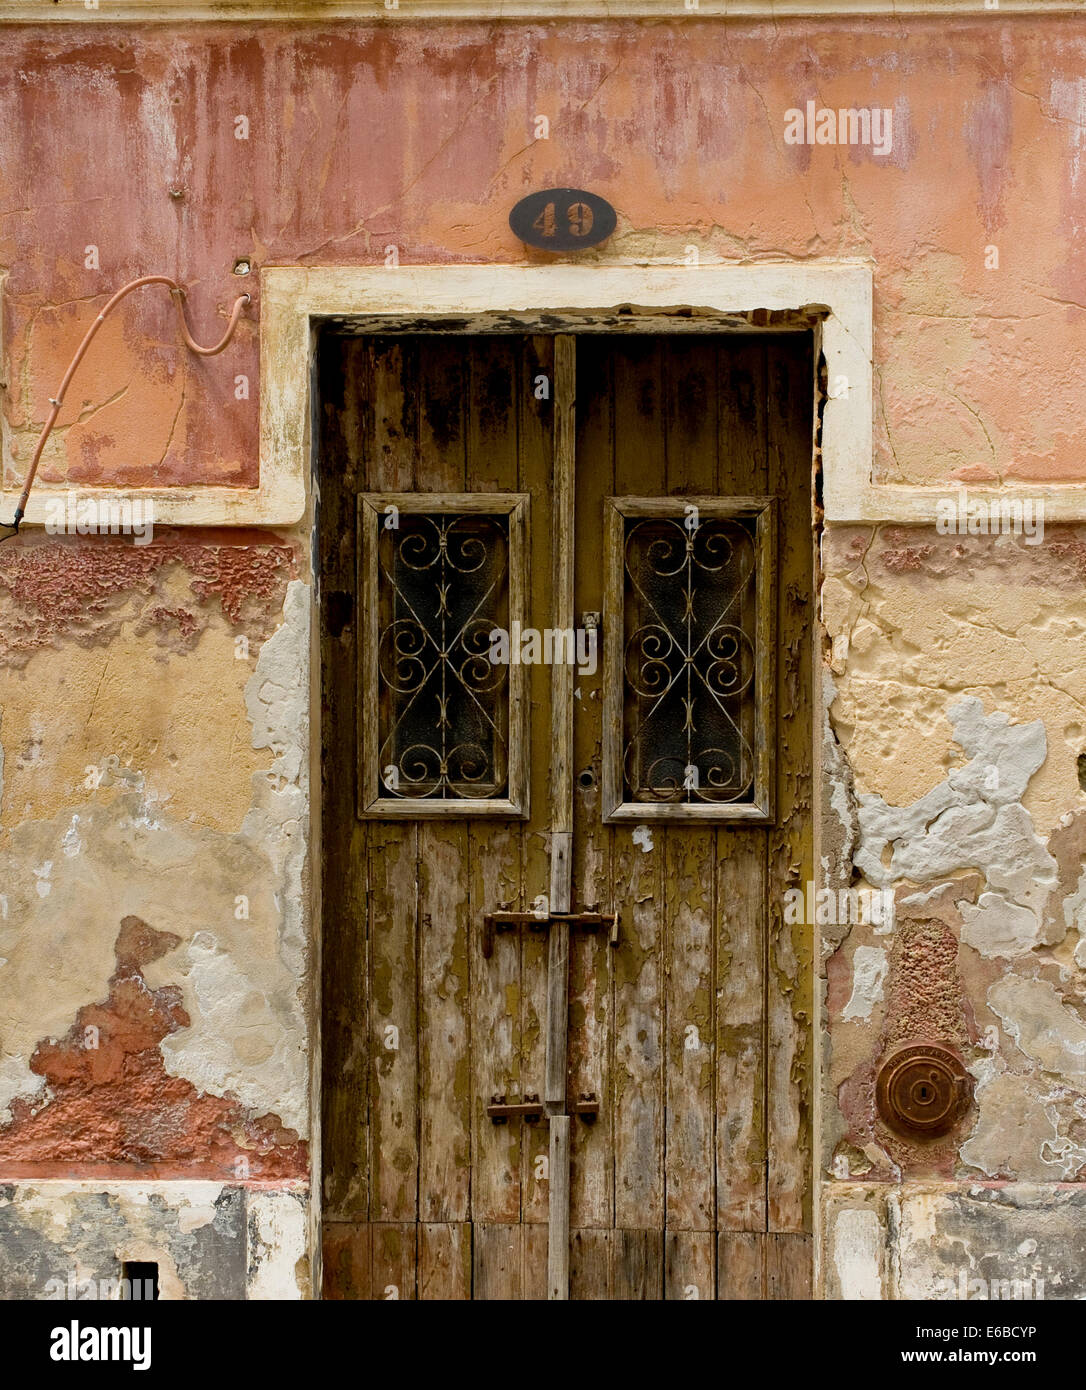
(443, 709)
(690, 669)
(689, 660)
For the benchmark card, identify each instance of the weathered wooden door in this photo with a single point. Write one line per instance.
(644, 500)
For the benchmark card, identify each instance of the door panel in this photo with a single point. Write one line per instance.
(405, 1110)
(691, 1093)
(686, 1084)
(693, 1031)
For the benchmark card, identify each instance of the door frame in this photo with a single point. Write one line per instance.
(831, 299)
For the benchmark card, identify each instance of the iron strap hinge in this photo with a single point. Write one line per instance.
(540, 921)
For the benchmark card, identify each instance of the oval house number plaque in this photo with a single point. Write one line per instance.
(563, 219)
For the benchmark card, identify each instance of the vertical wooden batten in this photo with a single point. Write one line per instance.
(561, 809)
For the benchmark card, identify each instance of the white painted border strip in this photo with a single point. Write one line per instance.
(292, 297)
(318, 11)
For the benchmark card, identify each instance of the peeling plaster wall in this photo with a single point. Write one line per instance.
(155, 939)
(956, 704)
(64, 1240)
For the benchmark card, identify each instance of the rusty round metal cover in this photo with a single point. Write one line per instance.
(923, 1089)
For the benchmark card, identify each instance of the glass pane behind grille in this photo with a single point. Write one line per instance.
(443, 720)
(689, 660)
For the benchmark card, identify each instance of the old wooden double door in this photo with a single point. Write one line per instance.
(566, 591)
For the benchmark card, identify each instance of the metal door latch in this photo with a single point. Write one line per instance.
(540, 921)
(530, 1110)
(587, 1107)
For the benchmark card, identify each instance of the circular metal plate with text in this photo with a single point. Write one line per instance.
(923, 1089)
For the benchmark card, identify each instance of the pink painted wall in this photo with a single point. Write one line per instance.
(422, 137)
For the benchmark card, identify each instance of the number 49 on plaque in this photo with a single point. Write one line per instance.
(562, 219)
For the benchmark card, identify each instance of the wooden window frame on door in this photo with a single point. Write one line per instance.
(371, 516)
(760, 810)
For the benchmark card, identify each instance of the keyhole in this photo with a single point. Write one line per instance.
(587, 778)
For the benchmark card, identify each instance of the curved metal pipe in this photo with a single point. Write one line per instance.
(58, 400)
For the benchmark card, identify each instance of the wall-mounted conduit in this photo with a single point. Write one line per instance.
(58, 400)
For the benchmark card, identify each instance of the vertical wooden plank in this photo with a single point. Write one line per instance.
(590, 1265)
(590, 1074)
(558, 1223)
(510, 1261)
(637, 1265)
(591, 1039)
(394, 377)
(740, 1030)
(345, 428)
(741, 888)
(742, 453)
(689, 1136)
(690, 414)
(690, 1265)
(689, 424)
(495, 852)
(790, 947)
(444, 909)
(445, 1260)
(554, 1093)
(562, 580)
(639, 1035)
(533, 1259)
(395, 1260)
(393, 901)
(346, 1260)
(534, 477)
(789, 1265)
(442, 405)
(741, 1265)
(444, 1024)
(496, 1260)
(561, 817)
(394, 1023)
(638, 857)
(492, 410)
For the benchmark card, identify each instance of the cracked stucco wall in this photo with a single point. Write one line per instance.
(66, 1240)
(955, 709)
(154, 939)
